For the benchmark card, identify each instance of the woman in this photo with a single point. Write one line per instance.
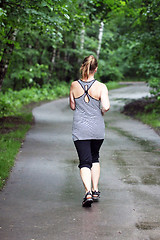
(89, 100)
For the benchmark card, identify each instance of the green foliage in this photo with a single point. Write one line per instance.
(7, 156)
(151, 113)
(32, 30)
(154, 83)
(113, 85)
(10, 143)
(107, 71)
(153, 107)
(131, 40)
(12, 101)
(152, 119)
(16, 120)
(45, 43)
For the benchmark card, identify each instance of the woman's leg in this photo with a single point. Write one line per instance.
(85, 157)
(86, 179)
(95, 174)
(85, 174)
(95, 170)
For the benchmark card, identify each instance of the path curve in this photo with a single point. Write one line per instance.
(42, 198)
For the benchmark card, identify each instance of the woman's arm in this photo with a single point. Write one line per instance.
(71, 97)
(104, 99)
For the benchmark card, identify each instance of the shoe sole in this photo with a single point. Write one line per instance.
(87, 203)
(95, 199)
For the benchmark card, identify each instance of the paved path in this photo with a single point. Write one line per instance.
(42, 199)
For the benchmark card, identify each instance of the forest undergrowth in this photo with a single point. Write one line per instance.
(147, 110)
(16, 119)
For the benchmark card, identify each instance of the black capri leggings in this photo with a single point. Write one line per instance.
(88, 151)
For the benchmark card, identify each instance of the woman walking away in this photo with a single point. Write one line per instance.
(89, 100)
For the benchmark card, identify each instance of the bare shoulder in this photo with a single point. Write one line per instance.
(74, 84)
(102, 86)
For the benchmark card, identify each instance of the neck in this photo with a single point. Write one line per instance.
(91, 77)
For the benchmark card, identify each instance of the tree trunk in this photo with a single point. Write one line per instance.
(7, 52)
(53, 57)
(82, 36)
(100, 38)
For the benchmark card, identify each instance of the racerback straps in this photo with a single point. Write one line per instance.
(86, 86)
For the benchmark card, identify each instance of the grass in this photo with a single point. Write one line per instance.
(152, 119)
(151, 114)
(16, 119)
(147, 110)
(113, 85)
(12, 134)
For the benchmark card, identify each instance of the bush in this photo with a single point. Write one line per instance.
(154, 84)
(108, 72)
(12, 101)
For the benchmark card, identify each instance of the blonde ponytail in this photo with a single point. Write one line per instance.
(88, 66)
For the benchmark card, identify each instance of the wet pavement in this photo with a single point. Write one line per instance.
(42, 198)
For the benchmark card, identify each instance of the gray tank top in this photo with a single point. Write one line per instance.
(88, 122)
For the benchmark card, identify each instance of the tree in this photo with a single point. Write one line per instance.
(46, 16)
(50, 38)
(52, 41)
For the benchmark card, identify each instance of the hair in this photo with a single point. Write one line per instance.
(88, 66)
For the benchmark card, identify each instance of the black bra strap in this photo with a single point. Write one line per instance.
(86, 90)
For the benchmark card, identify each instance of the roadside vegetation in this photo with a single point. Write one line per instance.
(113, 85)
(146, 110)
(16, 119)
(12, 133)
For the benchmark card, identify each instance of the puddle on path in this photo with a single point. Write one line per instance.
(147, 225)
(73, 161)
(124, 168)
(151, 178)
(133, 171)
(140, 167)
(147, 145)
